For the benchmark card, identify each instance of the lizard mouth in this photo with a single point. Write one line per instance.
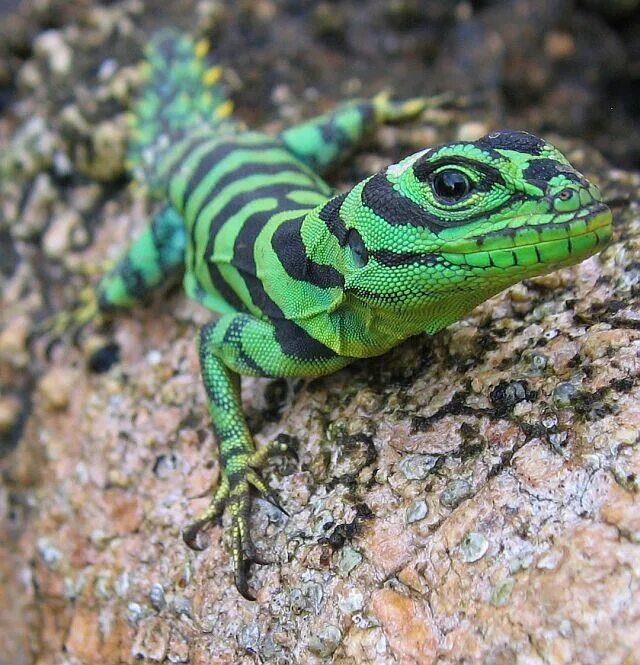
(559, 242)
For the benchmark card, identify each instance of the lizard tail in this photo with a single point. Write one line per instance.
(182, 91)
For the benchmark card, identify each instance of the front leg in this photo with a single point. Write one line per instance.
(241, 344)
(325, 141)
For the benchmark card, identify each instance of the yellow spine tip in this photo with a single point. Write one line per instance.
(381, 105)
(225, 109)
(415, 106)
(202, 48)
(212, 76)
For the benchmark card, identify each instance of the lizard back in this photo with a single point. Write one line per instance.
(233, 192)
(227, 184)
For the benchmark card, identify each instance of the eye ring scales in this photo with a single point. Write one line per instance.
(450, 186)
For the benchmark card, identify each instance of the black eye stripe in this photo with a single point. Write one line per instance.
(423, 170)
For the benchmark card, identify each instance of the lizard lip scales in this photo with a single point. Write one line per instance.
(551, 244)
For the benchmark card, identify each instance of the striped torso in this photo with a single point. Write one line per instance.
(234, 193)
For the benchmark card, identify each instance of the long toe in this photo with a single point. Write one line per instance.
(265, 492)
(241, 580)
(240, 562)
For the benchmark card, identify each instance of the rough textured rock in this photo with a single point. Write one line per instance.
(469, 498)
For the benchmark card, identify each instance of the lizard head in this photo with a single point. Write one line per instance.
(448, 227)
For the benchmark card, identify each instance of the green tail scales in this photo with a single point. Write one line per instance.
(182, 92)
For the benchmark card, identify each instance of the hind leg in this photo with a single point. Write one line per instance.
(156, 257)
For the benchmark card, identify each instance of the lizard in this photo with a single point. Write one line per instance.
(303, 280)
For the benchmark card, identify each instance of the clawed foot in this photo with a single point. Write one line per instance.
(69, 324)
(234, 492)
(393, 111)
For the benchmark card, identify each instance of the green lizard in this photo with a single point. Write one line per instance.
(304, 281)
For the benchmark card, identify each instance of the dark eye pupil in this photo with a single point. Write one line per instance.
(358, 249)
(451, 186)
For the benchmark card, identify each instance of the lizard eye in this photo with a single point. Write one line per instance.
(358, 249)
(450, 186)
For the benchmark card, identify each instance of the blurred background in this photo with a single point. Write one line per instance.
(566, 66)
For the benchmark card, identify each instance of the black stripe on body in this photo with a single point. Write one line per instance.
(240, 200)
(210, 160)
(330, 215)
(295, 341)
(233, 206)
(187, 146)
(254, 168)
(233, 336)
(292, 338)
(243, 259)
(396, 259)
(289, 248)
(223, 287)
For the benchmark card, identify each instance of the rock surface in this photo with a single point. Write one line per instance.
(469, 498)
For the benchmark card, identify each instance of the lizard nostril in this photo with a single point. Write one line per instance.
(565, 194)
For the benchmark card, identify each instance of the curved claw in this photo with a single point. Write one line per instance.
(241, 581)
(190, 534)
(272, 499)
(237, 497)
(265, 492)
(212, 514)
(245, 554)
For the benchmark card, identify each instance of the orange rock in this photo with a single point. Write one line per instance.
(408, 626)
(152, 640)
(388, 547)
(124, 510)
(622, 511)
(56, 387)
(83, 640)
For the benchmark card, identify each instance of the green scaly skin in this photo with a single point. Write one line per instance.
(303, 281)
